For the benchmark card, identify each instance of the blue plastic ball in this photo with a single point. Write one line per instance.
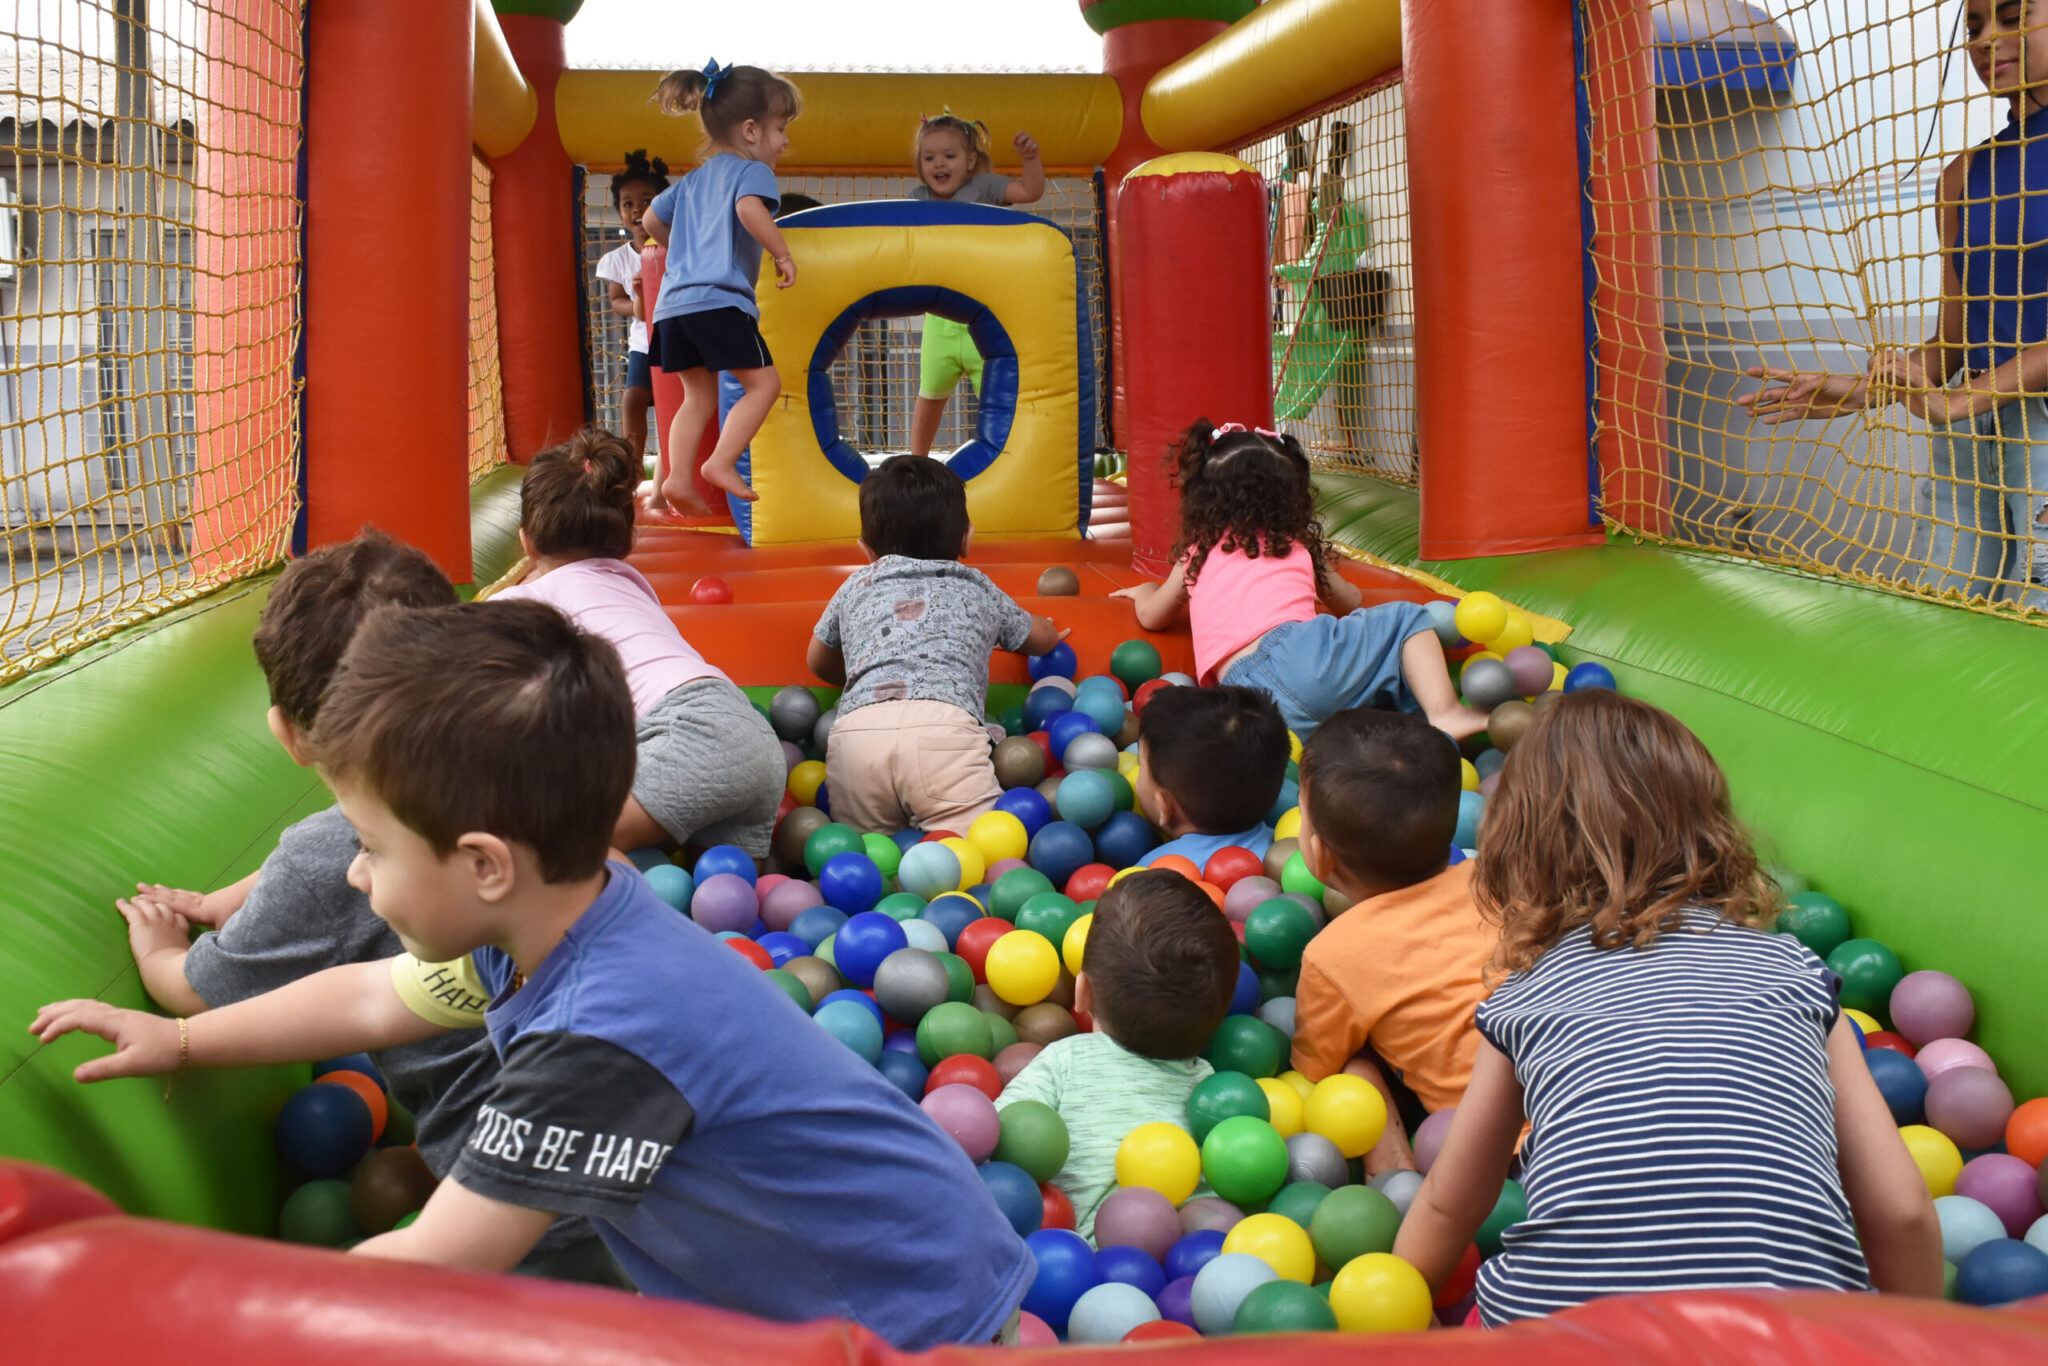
(724, 858)
(1471, 806)
(647, 856)
(323, 1130)
(1244, 998)
(1060, 849)
(1444, 617)
(952, 913)
(1063, 729)
(822, 798)
(2002, 1271)
(1043, 704)
(1132, 1266)
(1086, 798)
(852, 1026)
(904, 1069)
(1589, 675)
(816, 925)
(905, 838)
(1016, 1195)
(1193, 1252)
(671, 884)
(1106, 709)
(1028, 805)
(1489, 762)
(1066, 1271)
(1456, 857)
(928, 870)
(1058, 662)
(1289, 798)
(783, 946)
(1107, 1313)
(351, 1062)
(850, 882)
(852, 997)
(1124, 838)
(864, 941)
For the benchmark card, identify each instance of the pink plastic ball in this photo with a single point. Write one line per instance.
(791, 756)
(968, 1115)
(1430, 1136)
(1001, 866)
(1140, 1217)
(2006, 1186)
(1033, 1332)
(1942, 1055)
(1248, 894)
(724, 901)
(786, 901)
(1929, 1005)
(767, 883)
(1970, 1105)
(1532, 669)
(1209, 1212)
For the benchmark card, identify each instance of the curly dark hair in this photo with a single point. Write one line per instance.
(1246, 492)
(640, 170)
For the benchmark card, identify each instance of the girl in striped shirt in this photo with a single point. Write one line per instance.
(1700, 1115)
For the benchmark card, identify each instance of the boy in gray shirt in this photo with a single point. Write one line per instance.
(909, 637)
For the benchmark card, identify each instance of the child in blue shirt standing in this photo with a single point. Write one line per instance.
(729, 1151)
(715, 223)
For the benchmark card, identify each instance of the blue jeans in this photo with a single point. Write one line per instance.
(1989, 484)
(1314, 668)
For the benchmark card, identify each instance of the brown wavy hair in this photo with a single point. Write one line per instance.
(744, 92)
(576, 502)
(1244, 491)
(1611, 813)
(973, 134)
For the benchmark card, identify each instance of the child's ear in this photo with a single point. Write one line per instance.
(967, 542)
(526, 545)
(1084, 993)
(291, 737)
(865, 549)
(492, 866)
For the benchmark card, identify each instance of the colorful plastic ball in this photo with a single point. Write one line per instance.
(1244, 1160)
(748, 949)
(1221, 1096)
(1929, 1005)
(2037, 1236)
(1966, 1224)
(324, 1129)
(1065, 1272)
(929, 870)
(972, 864)
(1277, 1011)
(1970, 1105)
(953, 1027)
(805, 780)
(1059, 1210)
(816, 925)
(1869, 971)
(905, 1071)
(966, 1114)
(2002, 1272)
(1353, 1221)
(1127, 1264)
(1034, 1138)
(1209, 1212)
(1276, 932)
(724, 901)
(1283, 1306)
(1471, 808)
(2026, 1133)
(1160, 1156)
(1103, 706)
(1277, 1241)
(1049, 914)
(976, 939)
(1086, 800)
(1944, 1055)
(1122, 839)
(317, 1214)
(1244, 998)
(828, 840)
(853, 1026)
(1033, 1331)
(2006, 1186)
(1058, 662)
(1137, 1216)
(1221, 1287)
(1531, 667)
(372, 1092)
(1443, 617)
(998, 835)
(1135, 663)
(1347, 1110)
(1518, 634)
(1106, 1313)
(1023, 967)
(724, 858)
(1028, 806)
(1090, 881)
(1588, 675)
(1902, 1084)
(1247, 1044)
(1060, 849)
(1511, 1208)
(793, 712)
(1044, 705)
(1247, 893)
(1486, 683)
(1429, 1137)
(1886, 1041)
(671, 884)
(952, 914)
(1380, 1293)
(1193, 1251)
(786, 901)
(1013, 889)
(1935, 1154)
(1816, 920)
(1296, 877)
(851, 883)
(1011, 1061)
(1177, 1303)
(1015, 1194)
(865, 941)
(1310, 1157)
(1480, 617)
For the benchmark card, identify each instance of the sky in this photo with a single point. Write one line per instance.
(837, 35)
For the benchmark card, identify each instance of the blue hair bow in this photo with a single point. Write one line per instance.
(714, 76)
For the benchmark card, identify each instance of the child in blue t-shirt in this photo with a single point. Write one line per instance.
(1211, 762)
(715, 222)
(728, 1150)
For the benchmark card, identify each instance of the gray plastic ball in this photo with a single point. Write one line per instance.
(822, 732)
(1279, 1013)
(1065, 685)
(1090, 751)
(1178, 679)
(793, 711)
(1311, 1157)
(910, 982)
(1398, 1186)
(923, 934)
(1487, 683)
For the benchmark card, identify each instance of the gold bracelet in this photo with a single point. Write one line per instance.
(184, 1044)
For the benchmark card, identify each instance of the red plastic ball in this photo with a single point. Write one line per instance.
(977, 939)
(710, 591)
(1059, 1210)
(1885, 1038)
(1462, 1278)
(1044, 741)
(1089, 882)
(934, 836)
(1231, 863)
(967, 1070)
(1160, 1330)
(1144, 693)
(752, 952)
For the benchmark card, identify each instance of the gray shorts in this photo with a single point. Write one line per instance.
(710, 769)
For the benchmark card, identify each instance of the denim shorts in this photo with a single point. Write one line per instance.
(1314, 668)
(638, 374)
(1986, 485)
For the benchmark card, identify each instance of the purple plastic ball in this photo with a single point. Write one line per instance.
(1929, 1005)
(1246, 895)
(2005, 1185)
(968, 1115)
(1140, 1217)
(1430, 1136)
(724, 901)
(791, 755)
(1177, 1301)
(1192, 1252)
(1532, 669)
(1970, 1105)
(1209, 1212)
(1131, 1266)
(788, 900)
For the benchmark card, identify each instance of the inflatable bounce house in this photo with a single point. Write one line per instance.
(275, 269)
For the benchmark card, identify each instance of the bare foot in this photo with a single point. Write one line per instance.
(683, 500)
(1460, 722)
(650, 498)
(727, 477)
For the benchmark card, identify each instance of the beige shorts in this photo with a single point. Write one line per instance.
(909, 765)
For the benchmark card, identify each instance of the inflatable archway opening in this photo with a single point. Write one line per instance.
(1015, 282)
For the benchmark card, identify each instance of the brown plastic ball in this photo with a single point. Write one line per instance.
(819, 977)
(1509, 723)
(795, 832)
(1050, 790)
(1059, 582)
(1127, 733)
(1546, 700)
(1014, 1059)
(1062, 993)
(1019, 762)
(388, 1185)
(1044, 1023)
(987, 1002)
(1277, 856)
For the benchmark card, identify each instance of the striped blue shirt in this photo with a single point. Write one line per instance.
(1682, 1121)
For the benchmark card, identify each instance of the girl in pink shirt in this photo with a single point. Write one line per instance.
(710, 770)
(1249, 571)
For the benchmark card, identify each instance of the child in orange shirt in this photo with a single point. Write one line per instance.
(1395, 979)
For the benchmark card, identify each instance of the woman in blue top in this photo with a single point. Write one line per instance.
(1982, 379)
(1699, 1113)
(715, 222)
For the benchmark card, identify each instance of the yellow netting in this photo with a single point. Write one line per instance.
(1344, 310)
(486, 380)
(148, 323)
(876, 380)
(1799, 190)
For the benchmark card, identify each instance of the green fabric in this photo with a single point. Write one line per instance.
(1310, 358)
(494, 523)
(1885, 747)
(947, 354)
(1104, 15)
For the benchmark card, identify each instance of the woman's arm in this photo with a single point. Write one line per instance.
(1464, 1182)
(1895, 1219)
(1159, 605)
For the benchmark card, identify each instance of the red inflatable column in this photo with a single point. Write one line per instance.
(1197, 308)
(540, 284)
(387, 310)
(1500, 295)
(668, 396)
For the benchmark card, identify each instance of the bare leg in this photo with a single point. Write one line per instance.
(1392, 1152)
(925, 417)
(685, 434)
(759, 390)
(637, 403)
(638, 830)
(1429, 678)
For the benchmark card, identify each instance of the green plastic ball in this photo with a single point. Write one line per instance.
(1510, 1209)
(1868, 971)
(1295, 877)
(1225, 1095)
(1817, 920)
(1299, 1200)
(1247, 1044)
(1012, 721)
(829, 839)
(399, 1130)
(901, 906)
(823, 953)
(951, 1029)
(1034, 1137)
(1120, 788)
(1273, 985)
(1277, 930)
(1135, 662)
(1244, 1160)
(883, 852)
(793, 987)
(1001, 1033)
(959, 980)
(407, 1220)
(317, 1214)
(1050, 914)
(1014, 888)
(1948, 1280)
(1352, 1221)
(1284, 1307)
(1790, 883)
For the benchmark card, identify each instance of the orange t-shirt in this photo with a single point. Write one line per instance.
(1401, 971)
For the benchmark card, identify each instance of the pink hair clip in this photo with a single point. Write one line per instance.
(1227, 428)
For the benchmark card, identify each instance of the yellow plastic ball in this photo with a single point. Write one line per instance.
(1483, 654)
(1347, 1110)
(1557, 674)
(804, 781)
(1127, 768)
(1283, 1104)
(1277, 1241)
(1160, 1156)
(1120, 874)
(972, 864)
(1302, 1085)
(1935, 1154)
(998, 835)
(1864, 1022)
(1288, 827)
(1468, 776)
(1480, 617)
(1518, 632)
(1075, 944)
(1293, 747)
(1023, 967)
(1379, 1293)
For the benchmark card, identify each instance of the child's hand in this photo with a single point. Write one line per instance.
(144, 1045)
(191, 905)
(1136, 593)
(153, 927)
(785, 271)
(1026, 145)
